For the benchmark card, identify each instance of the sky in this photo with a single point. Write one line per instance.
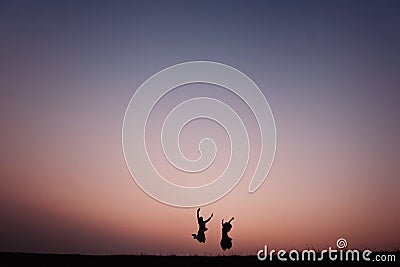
(330, 73)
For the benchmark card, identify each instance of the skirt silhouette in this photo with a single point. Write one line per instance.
(226, 243)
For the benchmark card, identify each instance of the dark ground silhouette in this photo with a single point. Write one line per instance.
(200, 236)
(37, 259)
(226, 241)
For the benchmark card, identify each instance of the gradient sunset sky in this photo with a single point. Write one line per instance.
(330, 71)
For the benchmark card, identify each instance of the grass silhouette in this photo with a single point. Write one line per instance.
(19, 259)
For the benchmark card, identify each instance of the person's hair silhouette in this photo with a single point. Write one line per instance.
(226, 241)
(200, 236)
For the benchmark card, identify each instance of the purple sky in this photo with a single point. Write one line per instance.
(330, 72)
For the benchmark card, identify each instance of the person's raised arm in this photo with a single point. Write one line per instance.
(231, 219)
(198, 210)
(212, 214)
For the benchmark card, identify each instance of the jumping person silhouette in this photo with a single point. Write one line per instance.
(200, 236)
(226, 241)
